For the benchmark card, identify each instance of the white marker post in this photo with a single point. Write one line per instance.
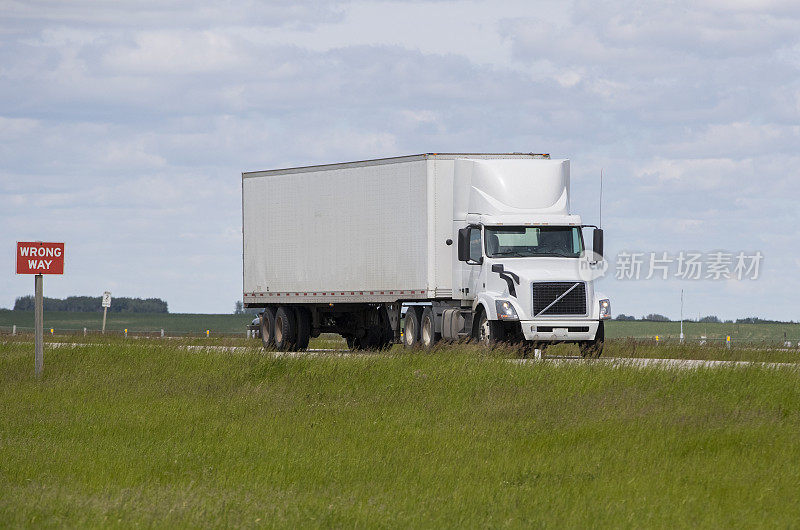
(681, 316)
(106, 304)
(38, 258)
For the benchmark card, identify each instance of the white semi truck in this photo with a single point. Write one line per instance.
(467, 246)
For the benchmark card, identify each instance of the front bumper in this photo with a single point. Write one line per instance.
(559, 330)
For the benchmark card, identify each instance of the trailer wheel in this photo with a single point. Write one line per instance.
(268, 328)
(303, 319)
(594, 348)
(489, 332)
(427, 329)
(285, 329)
(411, 328)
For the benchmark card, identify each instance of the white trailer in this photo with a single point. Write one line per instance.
(467, 245)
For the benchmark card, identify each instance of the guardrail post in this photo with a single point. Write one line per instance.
(14, 330)
(162, 333)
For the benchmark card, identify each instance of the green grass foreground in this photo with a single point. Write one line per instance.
(149, 434)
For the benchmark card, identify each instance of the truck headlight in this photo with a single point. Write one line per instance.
(505, 311)
(605, 308)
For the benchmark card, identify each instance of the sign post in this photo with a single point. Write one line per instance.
(38, 258)
(38, 319)
(106, 305)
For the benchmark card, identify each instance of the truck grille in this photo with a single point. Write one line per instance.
(573, 304)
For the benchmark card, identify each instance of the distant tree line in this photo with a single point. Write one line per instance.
(88, 304)
(710, 319)
(652, 317)
(756, 320)
(239, 309)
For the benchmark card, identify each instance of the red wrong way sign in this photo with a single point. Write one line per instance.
(37, 257)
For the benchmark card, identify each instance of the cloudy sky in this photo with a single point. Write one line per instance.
(125, 126)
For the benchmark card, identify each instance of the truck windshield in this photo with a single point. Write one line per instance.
(530, 241)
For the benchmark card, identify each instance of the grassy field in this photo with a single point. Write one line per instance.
(63, 321)
(693, 330)
(146, 433)
(199, 323)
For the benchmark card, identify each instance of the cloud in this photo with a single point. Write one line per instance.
(124, 127)
(176, 14)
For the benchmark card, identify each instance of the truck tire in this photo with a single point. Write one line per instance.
(268, 328)
(285, 329)
(411, 328)
(594, 348)
(303, 319)
(488, 332)
(427, 329)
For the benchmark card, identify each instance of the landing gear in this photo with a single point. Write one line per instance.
(303, 319)
(371, 330)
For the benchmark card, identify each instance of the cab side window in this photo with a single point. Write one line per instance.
(475, 244)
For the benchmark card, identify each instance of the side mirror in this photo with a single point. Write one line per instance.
(463, 244)
(597, 242)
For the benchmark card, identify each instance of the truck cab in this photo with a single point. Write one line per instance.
(524, 271)
(531, 282)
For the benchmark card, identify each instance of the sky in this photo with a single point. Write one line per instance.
(125, 127)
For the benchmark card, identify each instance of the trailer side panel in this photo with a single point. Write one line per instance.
(337, 231)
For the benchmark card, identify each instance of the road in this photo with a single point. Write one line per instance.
(677, 364)
(684, 364)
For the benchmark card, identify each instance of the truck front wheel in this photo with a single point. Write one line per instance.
(594, 348)
(489, 332)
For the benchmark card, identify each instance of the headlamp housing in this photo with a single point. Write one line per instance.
(605, 309)
(505, 310)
